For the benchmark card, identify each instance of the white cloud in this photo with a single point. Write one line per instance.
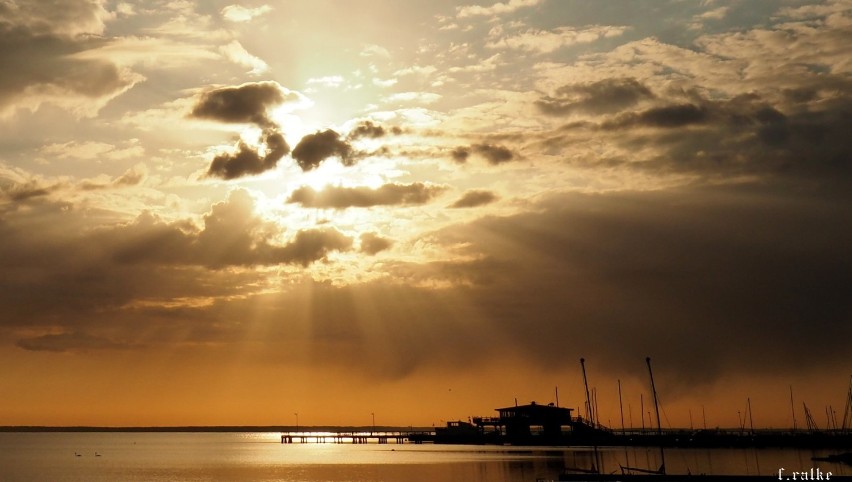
(236, 53)
(76, 150)
(821, 10)
(384, 82)
(715, 14)
(543, 41)
(192, 26)
(764, 61)
(495, 9)
(125, 9)
(91, 150)
(422, 97)
(412, 117)
(170, 117)
(79, 104)
(150, 52)
(660, 66)
(327, 81)
(374, 50)
(793, 49)
(238, 13)
(417, 70)
(486, 65)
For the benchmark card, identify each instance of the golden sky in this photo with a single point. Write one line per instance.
(221, 214)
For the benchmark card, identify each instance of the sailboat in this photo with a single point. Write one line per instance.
(635, 474)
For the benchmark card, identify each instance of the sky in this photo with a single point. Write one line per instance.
(217, 213)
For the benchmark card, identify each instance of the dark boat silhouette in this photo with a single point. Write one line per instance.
(633, 474)
(844, 458)
(686, 478)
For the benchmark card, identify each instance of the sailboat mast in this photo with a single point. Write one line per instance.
(589, 413)
(657, 410)
(654, 390)
(750, 419)
(847, 412)
(792, 408)
(620, 406)
(595, 402)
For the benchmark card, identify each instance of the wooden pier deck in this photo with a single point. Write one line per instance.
(397, 437)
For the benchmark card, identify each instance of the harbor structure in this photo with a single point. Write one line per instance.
(531, 424)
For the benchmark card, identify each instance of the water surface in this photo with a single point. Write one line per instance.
(261, 457)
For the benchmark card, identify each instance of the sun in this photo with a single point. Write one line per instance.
(329, 173)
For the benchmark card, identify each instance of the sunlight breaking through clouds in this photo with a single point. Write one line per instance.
(386, 196)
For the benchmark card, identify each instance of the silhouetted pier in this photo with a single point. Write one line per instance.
(382, 437)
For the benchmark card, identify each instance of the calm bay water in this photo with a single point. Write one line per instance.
(260, 457)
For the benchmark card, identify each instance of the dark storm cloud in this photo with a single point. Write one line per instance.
(748, 135)
(38, 43)
(315, 148)
(232, 236)
(57, 275)
(246, 103)
(247, 161)
(69, 287)
(817, 139)
(312, 245)
(132, 177)
(460, 154)
(672, 116)
(726, 277)
(371, 130)
(474, 198)
(337, 197)
(666, 117)
(42, 17)
(702, 280)
(372, 243)
(603, 97)
(46, 61)
(493, 153)
(17, 191)
(803, 141)
(68, 341)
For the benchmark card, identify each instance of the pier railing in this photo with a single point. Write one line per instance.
(379, 437)
(615, 437)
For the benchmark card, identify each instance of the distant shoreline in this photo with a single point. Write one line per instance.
(222, 428)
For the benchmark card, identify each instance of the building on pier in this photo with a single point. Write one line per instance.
(525, 422)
